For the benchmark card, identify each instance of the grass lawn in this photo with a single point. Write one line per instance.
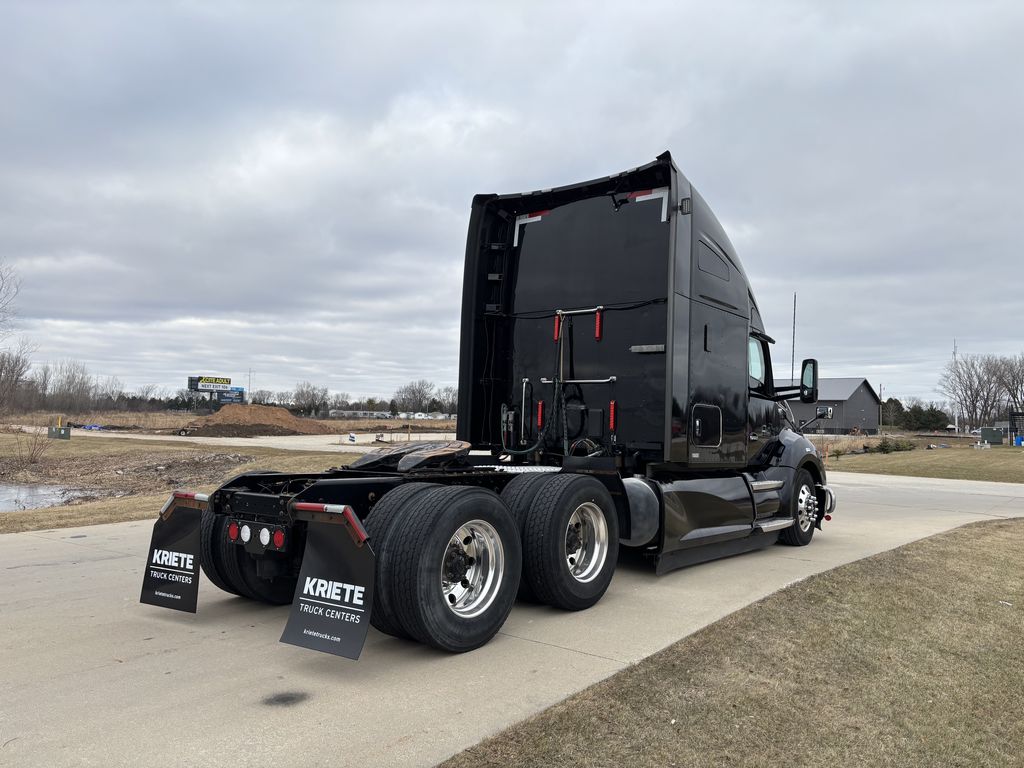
(914, 657)
(1000, 464)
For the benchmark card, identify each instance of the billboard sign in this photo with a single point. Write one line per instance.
(209, 383)
(231, 396)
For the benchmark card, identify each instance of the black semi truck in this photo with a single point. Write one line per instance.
(615, 390)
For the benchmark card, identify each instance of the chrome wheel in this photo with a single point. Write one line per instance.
(806, 508)
(472, 568)
(586, 542)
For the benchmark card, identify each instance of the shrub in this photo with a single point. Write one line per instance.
(890, 445)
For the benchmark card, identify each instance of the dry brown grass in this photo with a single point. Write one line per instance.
(911, 658)
(169, 420)
(157, 420)
(93, 463)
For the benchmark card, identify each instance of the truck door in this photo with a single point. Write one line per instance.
(718, 387)
(762, 412)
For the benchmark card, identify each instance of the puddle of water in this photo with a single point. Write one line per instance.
(14, 496)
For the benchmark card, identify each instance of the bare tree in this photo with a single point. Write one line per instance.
(449, 399)
(146, 391)
(414, 396)
(340, 401)
(971, 383)
(309, 398)
(108, 391)
(261, 397)
(9, 287)
(71, 387)
(1010, 373)
(283, 398)
(14, 366)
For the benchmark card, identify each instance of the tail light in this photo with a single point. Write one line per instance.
(279, 539)
(558, 326)
(598, 323)
(233, 531)
(540, 414)
(612, 415)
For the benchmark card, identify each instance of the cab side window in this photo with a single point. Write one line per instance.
(755, 364)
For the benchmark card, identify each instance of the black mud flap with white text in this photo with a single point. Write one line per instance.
(172, 568)
(334, 595)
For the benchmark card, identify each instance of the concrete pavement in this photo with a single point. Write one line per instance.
(92, 677)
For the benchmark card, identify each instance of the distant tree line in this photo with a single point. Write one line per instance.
(419, 396)
(67, 386)
(914, 415)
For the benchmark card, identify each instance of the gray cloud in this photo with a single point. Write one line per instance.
(287, 189)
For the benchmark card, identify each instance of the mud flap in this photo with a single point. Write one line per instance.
(172, 568)
(334, 594)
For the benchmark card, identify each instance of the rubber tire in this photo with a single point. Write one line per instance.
(277, 591)
(544, 564)
(518, 495)
(211, 532)
(231, 568)
(792, 535)
(422, 539)
(239, 572)
(380, 527)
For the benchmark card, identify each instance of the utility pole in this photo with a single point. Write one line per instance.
(792, 351)
(956, 406)
(880, 401)
(248, 392)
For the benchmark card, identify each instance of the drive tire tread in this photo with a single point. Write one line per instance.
(426, 530)
(518, 496)
(544, 563)
(232, 569)
(380, 526)
(211, 532)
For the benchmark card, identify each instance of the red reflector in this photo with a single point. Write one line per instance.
(540, 414)
(597, 325)
(611, 416)
(356, 529)
(828, 517)
(233, 531)
(278, 538)
(558, 326)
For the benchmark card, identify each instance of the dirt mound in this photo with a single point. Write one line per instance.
(252, 420)
(243, 430)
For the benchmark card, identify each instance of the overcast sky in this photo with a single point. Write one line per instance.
(208, 188)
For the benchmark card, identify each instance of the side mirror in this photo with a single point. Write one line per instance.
(809, 381)
(823, 412)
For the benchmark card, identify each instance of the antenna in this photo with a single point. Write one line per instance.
(792, 351)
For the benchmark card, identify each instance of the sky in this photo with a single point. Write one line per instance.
(283, 188)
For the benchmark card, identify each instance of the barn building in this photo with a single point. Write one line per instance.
(854, 403)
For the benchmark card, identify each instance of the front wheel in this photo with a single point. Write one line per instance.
(803, 507)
